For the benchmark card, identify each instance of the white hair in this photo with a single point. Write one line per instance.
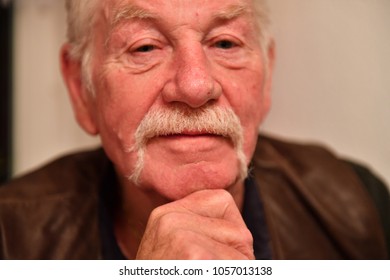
(80, 20)
(262, 14)
(80, 16)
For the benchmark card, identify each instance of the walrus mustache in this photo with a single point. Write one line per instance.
(181, 119)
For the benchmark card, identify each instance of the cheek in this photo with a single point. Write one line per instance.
(252, 115)
(251, 105)
(257, 105)
(122, 102)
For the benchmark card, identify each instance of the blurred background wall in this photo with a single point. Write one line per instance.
(44, 126)
(331, 80)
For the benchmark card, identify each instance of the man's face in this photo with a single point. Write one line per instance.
(184, 56)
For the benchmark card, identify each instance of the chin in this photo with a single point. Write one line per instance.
(178, 181)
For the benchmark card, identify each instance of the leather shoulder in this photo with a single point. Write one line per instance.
(51, 213)
(316, 206)
(379, 192)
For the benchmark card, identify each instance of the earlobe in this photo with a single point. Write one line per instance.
(81, 100)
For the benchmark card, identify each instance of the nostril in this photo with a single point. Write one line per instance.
(192, 81)
(192, 92)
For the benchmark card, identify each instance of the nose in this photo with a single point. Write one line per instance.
(192, 82)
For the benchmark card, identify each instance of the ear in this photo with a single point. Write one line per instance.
(80, 97)
(269, 68)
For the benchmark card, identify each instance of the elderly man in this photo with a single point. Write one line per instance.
(176, 90)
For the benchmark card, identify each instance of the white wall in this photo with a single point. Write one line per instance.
(43, 120)
(332, 76)
(331, 83)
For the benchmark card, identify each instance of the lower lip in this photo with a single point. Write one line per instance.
(194, 137)
(193, 142)
(189, 136)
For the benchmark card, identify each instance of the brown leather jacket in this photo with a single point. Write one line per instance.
(315, 207)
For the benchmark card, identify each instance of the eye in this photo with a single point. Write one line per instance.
(225, 44)
(145, 48)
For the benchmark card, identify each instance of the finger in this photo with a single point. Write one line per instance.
(208, 203)
(211, 214)
(189, 245)
(222, 231)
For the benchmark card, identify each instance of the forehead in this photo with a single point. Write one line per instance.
(115, 11)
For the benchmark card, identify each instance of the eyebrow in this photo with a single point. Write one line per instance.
(131, 12)
(231, 12)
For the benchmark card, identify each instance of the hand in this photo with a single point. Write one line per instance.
(204, 225)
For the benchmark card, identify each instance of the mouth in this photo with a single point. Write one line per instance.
(192, 134)
(190, 143)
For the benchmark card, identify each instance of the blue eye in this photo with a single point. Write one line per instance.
(225, 44)
(145, 48)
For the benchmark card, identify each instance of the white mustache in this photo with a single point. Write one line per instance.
(181, 119)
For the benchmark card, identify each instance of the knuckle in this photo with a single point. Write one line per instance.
(165, 223)
(223, 196)
(189, 247)
(156, 213)
(245, 244)
(246, 236)
(198, 253)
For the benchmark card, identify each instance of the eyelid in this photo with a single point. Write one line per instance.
(134, 47)
(225, 37)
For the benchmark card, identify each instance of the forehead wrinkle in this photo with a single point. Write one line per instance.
(231, 12)
(132, 11)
